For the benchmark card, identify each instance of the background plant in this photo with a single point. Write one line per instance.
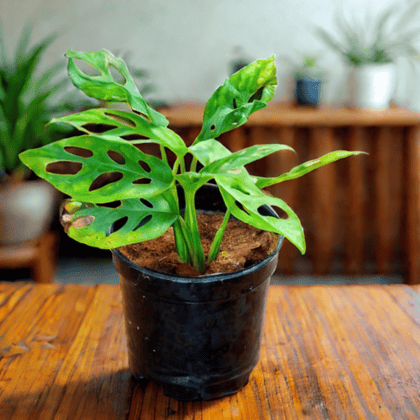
(378, 39)
(114, 184)
(26, 102)
(309, 68)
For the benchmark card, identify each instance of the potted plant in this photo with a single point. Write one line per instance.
(196, 335)
(308, 81)
(371, 48)
(26, 204)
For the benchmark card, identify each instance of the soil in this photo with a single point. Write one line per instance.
(243, 245)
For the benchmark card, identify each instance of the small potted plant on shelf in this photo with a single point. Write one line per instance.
(192, 328)
(26, 204)
(308, 81)
(371, 48)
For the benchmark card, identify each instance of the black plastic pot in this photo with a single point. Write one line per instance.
(198, 337)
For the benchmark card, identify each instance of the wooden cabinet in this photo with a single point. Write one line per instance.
(361, 215)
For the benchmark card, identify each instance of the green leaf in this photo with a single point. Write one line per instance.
(144, 220)
(241, 158)
(209, 151)
(305, 168)
(247, 91)
(136, 175)
(125, 124)
(104, 87)
(240, 189)
(192, 181)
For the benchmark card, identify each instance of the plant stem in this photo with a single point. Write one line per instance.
(176, 166)
(180, 236)
(199, 259)
(215, 246)
(181, 242)
(188, 237)
(182, 165)
(163, 154)
(194, 165)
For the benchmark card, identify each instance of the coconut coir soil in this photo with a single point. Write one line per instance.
(242, 246)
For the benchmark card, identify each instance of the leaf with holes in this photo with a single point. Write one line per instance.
(95, 170)
(104, 87)
(126, 125)
(247, 91)
(240, 189)
(241, 158)
(305, 168)
(134, 220)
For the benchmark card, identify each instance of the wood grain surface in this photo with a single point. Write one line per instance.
(328, 352)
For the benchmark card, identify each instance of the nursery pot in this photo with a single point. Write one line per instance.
(308, 91)
(197, 337)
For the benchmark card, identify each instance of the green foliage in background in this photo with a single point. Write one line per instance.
(309, 68)
(377, 39)
(26, 104)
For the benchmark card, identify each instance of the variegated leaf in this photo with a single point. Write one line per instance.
(104, 87)
(126, 125)
(95, 170)
(134, 220)
(240, 189)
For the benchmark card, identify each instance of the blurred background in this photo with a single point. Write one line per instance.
(188, 46)
(183, 50)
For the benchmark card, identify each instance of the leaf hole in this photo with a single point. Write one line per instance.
(134, 137)
(280, 212)
(146, 203)
(121, 120)
(235, 105)
(111, 204)
(143, 222)
(117, 75)
(118, 225)
(86, 68)
(83, 222)
(105, 179)
(257, 95)
(241, 207)
(145, 166)
(79, 151)
(98, 128)
(64, 168)
(142, 181)
(140, 114)
(213, 127)
(116, 157)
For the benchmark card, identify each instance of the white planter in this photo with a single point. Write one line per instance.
(371, 86)
(26, 211)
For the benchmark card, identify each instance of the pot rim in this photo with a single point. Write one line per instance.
(205, 278)
(202, 278)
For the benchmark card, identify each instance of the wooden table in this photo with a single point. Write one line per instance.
(328, 352)
(364, 211)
